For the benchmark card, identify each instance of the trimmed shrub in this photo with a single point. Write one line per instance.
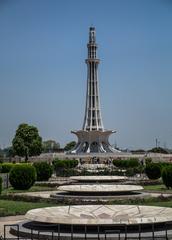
(167, 176)
(130, 172)
(153, 171)
(148, 160)
(6, 167)
(133, 162)
(0, 185)
(164, 164)
(65, 163)
(43, 171)
(22, 176)
(127, 163)
(73, 163)
(64, 167)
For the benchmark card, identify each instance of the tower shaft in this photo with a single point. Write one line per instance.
(92, 119)
(92, 138)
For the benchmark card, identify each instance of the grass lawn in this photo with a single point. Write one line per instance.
(32, 189)
(161, 202)
(10, 208)
(158, 188)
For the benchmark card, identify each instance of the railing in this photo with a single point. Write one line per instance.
(120, 232)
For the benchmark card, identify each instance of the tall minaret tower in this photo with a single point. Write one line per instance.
(93, 138)
(92, 120)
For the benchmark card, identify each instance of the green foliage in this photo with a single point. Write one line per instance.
(27, 141)
(148, 160)
(66, 163)
(128, 163)
(50, 146)
(13, 208)
(1, 156)
(62, 167)
(69, 146)
(130, 172)
(22, 176)
(164, 164)
(138, 151)
(153, 170)
(6, 167)
(158, 150)
(8, 152)
(0, 185)
(43, 170)
(167, 176)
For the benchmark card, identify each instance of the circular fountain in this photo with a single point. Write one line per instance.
(96, 188)
(97, 192)
(95, 222)
(97, 179)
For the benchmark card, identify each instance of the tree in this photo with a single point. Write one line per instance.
(1, 155)
(158, 150)
(8, 152)
(50, 146)
(27, 141)
(69, 146)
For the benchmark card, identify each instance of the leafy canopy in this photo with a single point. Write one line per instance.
(69, 146)
(50, 146)
(27, 141)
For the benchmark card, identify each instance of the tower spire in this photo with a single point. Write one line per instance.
(92, 119)
(92, 138)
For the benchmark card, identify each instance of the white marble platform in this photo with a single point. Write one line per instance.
(98, 178)
(100, 188)
(101, 214)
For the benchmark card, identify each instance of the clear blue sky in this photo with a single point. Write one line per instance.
(43, 73)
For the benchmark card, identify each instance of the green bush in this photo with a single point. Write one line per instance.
(43, 171)
(164, 164)
(153, 170)
(148, 160)
(130, 172)
(65, 163)
(65, 167)
(0, 185)
(167, 176)
(127, 163)
(22, 176)
(6, 167)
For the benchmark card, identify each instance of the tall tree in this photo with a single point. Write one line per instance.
(27, 141)
(50, 146)
(69, 146)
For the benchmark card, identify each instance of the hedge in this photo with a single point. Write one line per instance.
(65, 163)
(43, 171)
(65, 167)
(22, 176)
(167, 176)
(127, 163)
(6, 167)
(153, 171)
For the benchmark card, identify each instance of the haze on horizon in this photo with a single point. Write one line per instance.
(43, 71)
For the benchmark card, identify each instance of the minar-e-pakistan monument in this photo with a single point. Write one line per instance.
(93, 138)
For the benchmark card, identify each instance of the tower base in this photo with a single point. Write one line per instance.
(93, 142)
